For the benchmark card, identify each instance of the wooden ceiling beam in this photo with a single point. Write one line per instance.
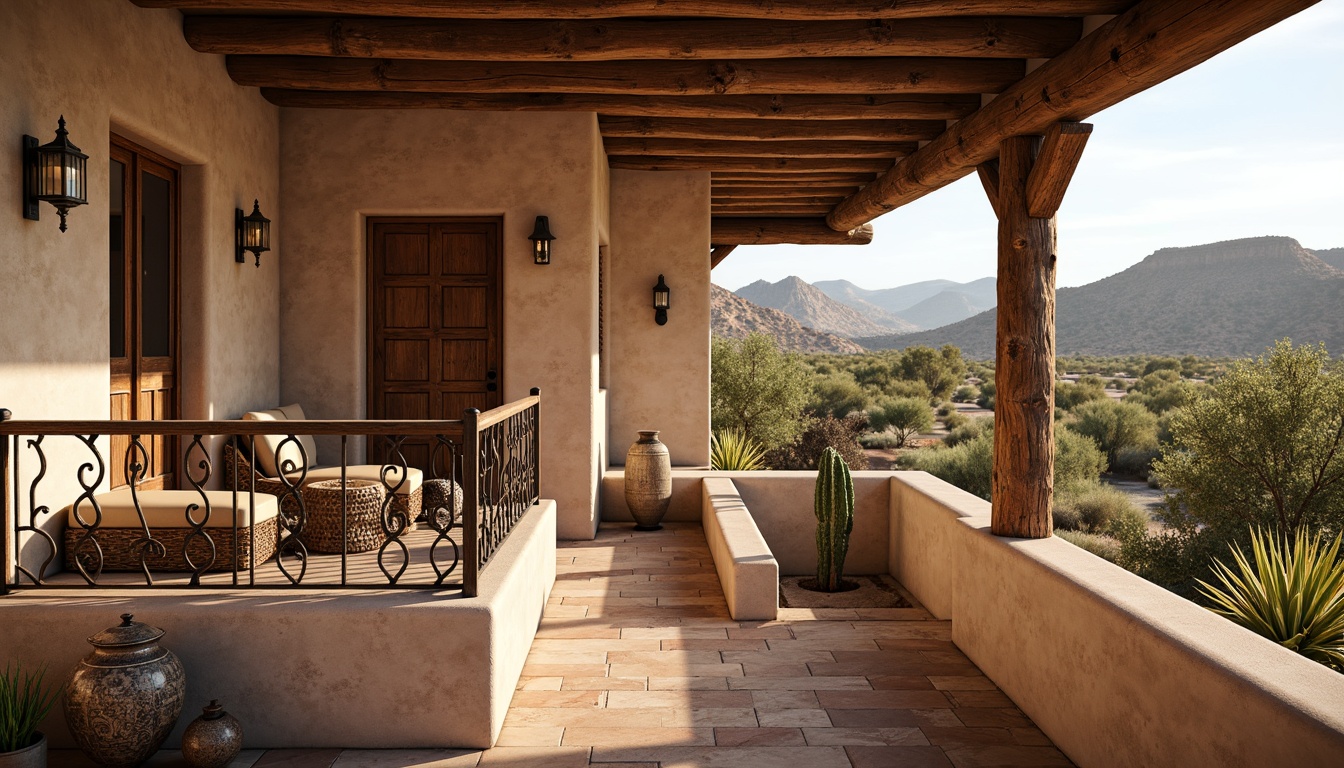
(803, 10)
(778, 164)
(623, 39)
(789, 178)
(779, 191)
(771, 130)
(665, 78)
(793, 106)
(825, 203)
(1151, 42)
(746, 230)
(1061, 149)
(717, 253)
(802, 149)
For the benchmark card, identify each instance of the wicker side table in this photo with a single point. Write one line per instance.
(363, 506)
(442, 504)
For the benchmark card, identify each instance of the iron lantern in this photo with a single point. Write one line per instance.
(56, 173)
(253, 233)
(541, 238)
(662, 299)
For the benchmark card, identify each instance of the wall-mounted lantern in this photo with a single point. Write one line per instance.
(662, 299)
(253, 233)
(541, 238)
(55, 173)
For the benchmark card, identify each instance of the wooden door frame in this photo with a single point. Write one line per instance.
(497, 318)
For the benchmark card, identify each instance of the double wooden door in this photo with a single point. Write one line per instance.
(434, 322)
(142, 293)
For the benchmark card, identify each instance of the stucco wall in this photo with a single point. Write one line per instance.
(340, 167)
(659, 375)
(109, 66)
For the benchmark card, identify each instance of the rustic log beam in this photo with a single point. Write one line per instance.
(1061, 149)
(765, 200)
(771, 130)
(699, 147)
(774, 205)
(731, 230)
(777, 191)
(624, 39)
(1024, 368)
(989, 179)
(789, 178)
(666, 78)
(717, 253)
(1151, 42)
(907, 106)
(812, 213)
(724, 164)
(802, 10)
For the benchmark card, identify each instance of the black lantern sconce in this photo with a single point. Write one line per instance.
(662, 299)
(56, 173)
(253, 233)
(541, 238)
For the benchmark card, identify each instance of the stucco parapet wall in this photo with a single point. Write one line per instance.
(747, 570)
(921, 537)
(323, 668)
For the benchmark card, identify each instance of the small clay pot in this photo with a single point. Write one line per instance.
(213, 739)
(34, 756)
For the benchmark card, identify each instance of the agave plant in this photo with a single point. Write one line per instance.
(733, 450)
(23, 704)
(1293, 596)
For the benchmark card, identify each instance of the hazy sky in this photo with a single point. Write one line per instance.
(1248, 143)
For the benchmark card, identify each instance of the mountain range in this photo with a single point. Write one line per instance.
(733, 317)
(1232, 298)
(845, 309)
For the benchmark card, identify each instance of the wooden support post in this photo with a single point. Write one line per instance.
(1024, 377)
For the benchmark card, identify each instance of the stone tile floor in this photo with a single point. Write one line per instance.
(638, 665)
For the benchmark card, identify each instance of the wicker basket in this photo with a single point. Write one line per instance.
(363, 508)
(442, 503)
(120, 552)
(408, 503)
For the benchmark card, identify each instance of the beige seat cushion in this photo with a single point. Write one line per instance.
(168, 509)
(414, 477)
(267, 445)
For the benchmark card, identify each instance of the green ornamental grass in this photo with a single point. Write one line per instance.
(23, 704)
(731, 450)
(1294, 597)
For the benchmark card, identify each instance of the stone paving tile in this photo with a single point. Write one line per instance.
(981, 757)
(759, 737)
(639, 737)
(407, 758)
(889, 757)
(728, 757)
(793, 718)
(530, 736)
(878, 737)
(298, 758)
(535, 757)
(688, 683)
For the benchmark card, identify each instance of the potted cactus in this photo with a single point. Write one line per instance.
(23, 704)
(834, 505)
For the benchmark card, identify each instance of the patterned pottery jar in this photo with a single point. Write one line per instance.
(648, 481)
(125, 697)
(213, 739)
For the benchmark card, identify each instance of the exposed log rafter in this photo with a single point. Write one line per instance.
(717, 253)
(775, 231)
(772, 130)
(1061, 150)
(785, 149)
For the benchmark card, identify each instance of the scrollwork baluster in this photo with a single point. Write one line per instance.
(198, 528)
(293, 526)
(33, 511)
(89, 538)
(394, 518)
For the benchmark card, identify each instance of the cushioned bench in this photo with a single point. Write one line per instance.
(119, 533)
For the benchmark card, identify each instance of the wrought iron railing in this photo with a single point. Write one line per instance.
(481, 479)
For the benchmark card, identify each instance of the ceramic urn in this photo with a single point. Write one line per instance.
(648, 481)
(213, 739)
(125, 697)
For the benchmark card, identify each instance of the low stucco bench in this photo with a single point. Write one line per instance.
(119, 533)
(747, 569)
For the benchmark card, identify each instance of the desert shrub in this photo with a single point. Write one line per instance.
(905, 388)
(1164, 390)
(820, 434)
(883, 440)
(1135, 461)
(1092, 507)
(972, 428)
(939, 369)
(1104, 547)
(1117, 384)
(986, 399)
(956, 419)
(966, 393)
(1163, 364)
(904, 417)
(1175, 557)
(757, 389)
(945, 408)
(836, 395)
(1066, 517)
(1115, 425)
(731, 450)
(969, 465)
(1069, 395)
(1077, 459)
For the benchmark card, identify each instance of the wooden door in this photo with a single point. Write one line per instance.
(434, 320)
(142, 291)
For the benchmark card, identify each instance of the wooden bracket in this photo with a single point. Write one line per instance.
(989, 177)
(718, 253)
(1061, 149)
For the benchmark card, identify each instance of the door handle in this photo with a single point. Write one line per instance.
(491, 375)
(491, 386)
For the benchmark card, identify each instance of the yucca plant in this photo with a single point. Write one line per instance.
(732, 450)
(1293, 596)
(24, 701)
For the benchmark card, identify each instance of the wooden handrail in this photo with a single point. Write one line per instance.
(496, 415)
(231, 427)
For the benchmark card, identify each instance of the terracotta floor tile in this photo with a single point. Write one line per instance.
(408, 758)
(962, 683)
(639, 737)
(532, 669)
(760, 633)
(891, 757)
(801, 683)
(688, 683)
(298, 758)
(823, 644)
(676, 670)
(901, 683)
(675, 633)
(715, 718)
(604, 684)
(775, 670)
(983, 757)
(882, 699)
(530, 736)
(683, 644)
(663, 657)
(891, 668)
(576, 657)
(1027, 737)
(784, 700)
(570, 717)
(980, 699)
(893, 718)
(777, 657)
(729, 757)
(965, 736)
(683, 699)
(1003, 718)
(538, 699)
(535, 757)
(539, 683)
(875, 737)
(575, 645)
(759, 737)
(555, 631)
(793, 718)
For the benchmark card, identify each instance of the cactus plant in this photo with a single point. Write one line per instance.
(834, 504)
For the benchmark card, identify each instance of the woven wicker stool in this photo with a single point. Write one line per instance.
(363, 506)
(439, 511)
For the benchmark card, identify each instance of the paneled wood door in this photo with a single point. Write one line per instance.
(142, 290)
(435, 315)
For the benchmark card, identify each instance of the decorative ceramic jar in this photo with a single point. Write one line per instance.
(34, 756)
(648, 481)
(124, 698)
(213, 739)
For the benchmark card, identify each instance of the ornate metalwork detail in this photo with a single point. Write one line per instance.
(440, 518)
(89, 540)
(137, 465)
(394, 519)
(292, 510)
(508, 480)
(33, 512)
(198, 528)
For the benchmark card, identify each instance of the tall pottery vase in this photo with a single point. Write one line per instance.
(124, 698)
(648, 481)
